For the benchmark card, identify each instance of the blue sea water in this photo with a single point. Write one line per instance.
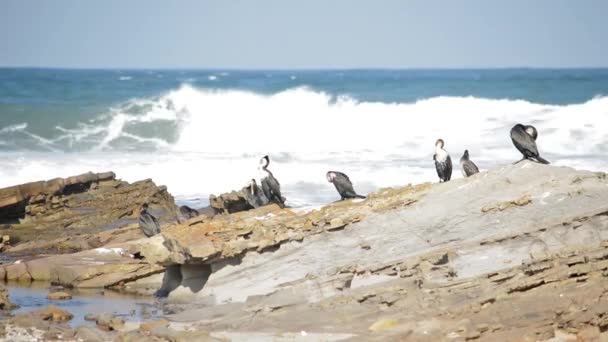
(202, 131)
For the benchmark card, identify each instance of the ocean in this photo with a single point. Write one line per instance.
(201, 132)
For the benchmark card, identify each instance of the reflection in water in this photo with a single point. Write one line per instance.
(32, 296)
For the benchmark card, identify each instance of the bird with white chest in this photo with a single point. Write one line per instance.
(443, 162)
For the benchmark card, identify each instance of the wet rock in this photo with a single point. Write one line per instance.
(60, 295)
(17, 272)
(5, 304)
(108, 322)
(90, 317)
(231, 202)
(53, 313)
(97, 268)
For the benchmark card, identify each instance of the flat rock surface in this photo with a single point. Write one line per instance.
(111, 265)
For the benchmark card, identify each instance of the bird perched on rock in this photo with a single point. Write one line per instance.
(443, 162)
(468, 167)
(184, 213)
(524, 139)
(270, 185)
(254, 194)
(147, 222)
(342, 184)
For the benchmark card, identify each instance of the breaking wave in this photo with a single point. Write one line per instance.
(307, 121)
(213, 137)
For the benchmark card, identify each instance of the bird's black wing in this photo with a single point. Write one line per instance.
(148, 224)
(524, 142)
(272, 190)
(344, 186)
(448, 168)
(444, 169)
(469, 168)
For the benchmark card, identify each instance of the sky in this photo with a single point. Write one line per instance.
(283, 34)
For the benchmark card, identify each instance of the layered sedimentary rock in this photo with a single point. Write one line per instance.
(110, 266)
(14, 199)
(85, 204)
(231, 202)
(437, 262)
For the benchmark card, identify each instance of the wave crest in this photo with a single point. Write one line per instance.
(302, 120)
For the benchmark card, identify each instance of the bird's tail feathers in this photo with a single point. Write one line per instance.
(542, 160)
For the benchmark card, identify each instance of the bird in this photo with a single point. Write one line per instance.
(342, 184)
(443, 162)
(185, 213)
(468, 167)
(147, 222)
(254, 194)
(270, 185)
(524, 139)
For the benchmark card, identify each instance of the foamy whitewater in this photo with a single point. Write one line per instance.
(201, 136)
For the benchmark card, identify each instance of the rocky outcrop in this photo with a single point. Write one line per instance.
(230, 202)
(461, 253)
(14, 199)
(85, 204)
(113, 265)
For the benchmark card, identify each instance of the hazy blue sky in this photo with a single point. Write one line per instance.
(303, 33)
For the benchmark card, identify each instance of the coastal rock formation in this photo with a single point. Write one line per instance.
(230, 202)
(110, 266)
(14, 199)
(84, 204)
(461, 253)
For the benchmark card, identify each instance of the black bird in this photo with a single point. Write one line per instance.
(468, 167)
(524, 139)
(185, 213)
(443, 162)
(255, 196)
(147, 222)
(342, 184)
(270, 185)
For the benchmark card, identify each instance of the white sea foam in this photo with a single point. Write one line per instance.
(125, 78)
(221, 134)
(14, 128)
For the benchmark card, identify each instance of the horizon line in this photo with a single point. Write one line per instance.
(303, 68)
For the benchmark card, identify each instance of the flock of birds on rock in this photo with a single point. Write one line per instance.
(269, 190)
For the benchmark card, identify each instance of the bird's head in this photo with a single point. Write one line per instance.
(330, 176)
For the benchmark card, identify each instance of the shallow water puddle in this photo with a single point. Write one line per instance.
(129, 307)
